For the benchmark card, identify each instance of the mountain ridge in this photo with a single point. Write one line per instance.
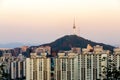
(68, 41)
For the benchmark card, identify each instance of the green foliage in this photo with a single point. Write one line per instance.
(111, 71)
(3, 75)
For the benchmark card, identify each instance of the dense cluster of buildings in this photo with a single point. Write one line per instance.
(76, 64)
(14, 66)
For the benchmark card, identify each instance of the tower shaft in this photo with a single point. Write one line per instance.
(74, 28)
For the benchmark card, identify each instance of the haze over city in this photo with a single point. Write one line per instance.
(43, 21)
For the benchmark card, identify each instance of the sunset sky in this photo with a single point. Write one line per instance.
(43, 21)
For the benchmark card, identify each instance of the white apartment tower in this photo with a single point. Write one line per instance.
(13, 70)
(116, 57)
(17, 69)
(38, 67)
(66, 66)
(86, 65)
(90, 63)
(21, 69)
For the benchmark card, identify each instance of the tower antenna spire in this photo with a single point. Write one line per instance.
(74, 27)
(74, 24)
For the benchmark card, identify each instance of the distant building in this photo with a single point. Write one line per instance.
(75, 64)
(24, 48)
(89, 48)
(76, 50)
(98, 48)
(43, 49)
(54, 54)
(20, 57)
(14, 66)
(7, 55)
(116, 57)
(17, 51)
(3, 49)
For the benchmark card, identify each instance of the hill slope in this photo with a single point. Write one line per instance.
(68, 41)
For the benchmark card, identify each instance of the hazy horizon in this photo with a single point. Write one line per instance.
(43, 21)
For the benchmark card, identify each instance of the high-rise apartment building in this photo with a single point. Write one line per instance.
(86, 65)
(43, 49)
(90, 63)
(13, 70)
(66, 66)
(38, 67)
(17, 70)
(116, 57)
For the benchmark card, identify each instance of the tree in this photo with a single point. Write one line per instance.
(111, 72)
(3, 75)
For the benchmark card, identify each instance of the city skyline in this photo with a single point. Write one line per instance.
(43, 21)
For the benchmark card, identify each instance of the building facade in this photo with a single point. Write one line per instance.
(66, 66)
(90, 63)
(17, 70)
(38, 67)
(85, 64)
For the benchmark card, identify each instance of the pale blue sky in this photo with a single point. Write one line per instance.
(42, 21)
